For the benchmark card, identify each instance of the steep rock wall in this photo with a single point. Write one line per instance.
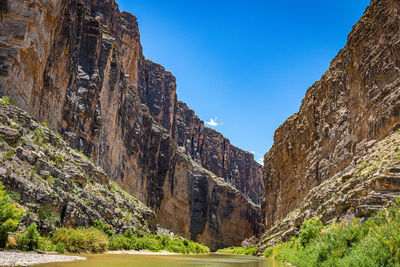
(78, 65)
(207, 147)
(356, 100)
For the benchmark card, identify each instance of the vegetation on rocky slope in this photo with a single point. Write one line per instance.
(374, 242)
(10, 216)
(58, 185)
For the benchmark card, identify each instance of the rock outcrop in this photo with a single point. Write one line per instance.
(78, 65)
(57, 185)
(356, 100)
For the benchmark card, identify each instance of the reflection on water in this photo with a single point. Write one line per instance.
(212, 260)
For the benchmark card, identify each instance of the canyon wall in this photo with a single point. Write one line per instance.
(207, 147)
(78, 65)
(357, 100)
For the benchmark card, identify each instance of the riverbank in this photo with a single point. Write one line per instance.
(31, 258)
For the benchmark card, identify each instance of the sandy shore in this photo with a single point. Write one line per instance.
(30, 258)
(142, 252)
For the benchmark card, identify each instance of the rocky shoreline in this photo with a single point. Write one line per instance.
(31, 258)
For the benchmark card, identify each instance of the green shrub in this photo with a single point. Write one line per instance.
(147, 243)
(29, 239)
(46, 244)
(10, 216)
(82, 239)
(104, 227)
(119, 242)
(14, 195)
(60, 247)
(309, 230)
(178, 245)
(238, 250)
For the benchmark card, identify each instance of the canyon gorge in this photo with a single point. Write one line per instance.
(76, 68)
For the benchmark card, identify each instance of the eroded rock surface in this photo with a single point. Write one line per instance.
(59, 186)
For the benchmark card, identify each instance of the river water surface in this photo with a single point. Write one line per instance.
(217, 260)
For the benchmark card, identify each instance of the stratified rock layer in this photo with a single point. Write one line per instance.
(78, 65)
(356, 100)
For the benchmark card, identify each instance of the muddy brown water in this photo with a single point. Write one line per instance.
(211, 260)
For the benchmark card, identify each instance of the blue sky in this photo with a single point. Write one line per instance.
(244, 66)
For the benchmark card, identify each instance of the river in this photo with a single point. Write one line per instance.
(211, 260)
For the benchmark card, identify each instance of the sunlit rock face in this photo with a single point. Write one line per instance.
(78, 65)
(357, 100)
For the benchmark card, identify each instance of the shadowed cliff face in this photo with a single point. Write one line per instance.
(356, 100)
(3, 8)
(78, 65)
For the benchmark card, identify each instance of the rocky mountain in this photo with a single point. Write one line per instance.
(78, 65)
(318, 164)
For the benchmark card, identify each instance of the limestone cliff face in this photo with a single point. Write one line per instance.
(356, 100)
(78, 65)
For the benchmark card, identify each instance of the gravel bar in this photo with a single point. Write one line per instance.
(31, 258)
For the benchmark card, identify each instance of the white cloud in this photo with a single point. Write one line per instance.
(213, 122)
(253, 152)
(261, 161)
